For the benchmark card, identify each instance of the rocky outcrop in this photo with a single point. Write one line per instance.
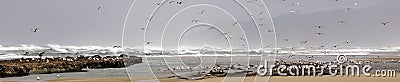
(26, 66)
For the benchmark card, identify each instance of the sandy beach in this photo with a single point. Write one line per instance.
(248, 79)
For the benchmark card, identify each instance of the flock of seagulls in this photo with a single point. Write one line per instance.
(319, 27)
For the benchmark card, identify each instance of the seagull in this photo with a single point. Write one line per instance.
(295, 4)
(143, 28)
(158, 3)
(348, 9)
(385, 23)
(41, 54)
(196, 20)
(270, 31)
(26, 53)
(171, 1)
(318, 26)
(235, 23)
(304, 42)
(35, 28)
(242, 39)
(202, 11)
(98, 8)
(148, 43)
(179, 2)
(226, 33)
(335, 46)
(356, 3)
(347, 42)
(211, 28)
(58, 76)
(37, 78)
(293, 11)
(287, 39)
(117, 46)
(320, 33)
(341, 21)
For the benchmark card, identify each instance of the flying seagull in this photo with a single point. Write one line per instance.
(147, 42)
(235, 23)
(385, 23)
(320, 33)
(211, 28)
(117, 46)
(26, 53)
(287, 39)
(143, 28)
(35, 28)
(304, 42)
(347, 42)
(341, 21)
(179, 2)
(41, 54)
(196, 20)
(318, 26)
(98, 8)
(202, 11)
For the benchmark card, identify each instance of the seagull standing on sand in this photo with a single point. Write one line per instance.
(37, 78)
(58, 76)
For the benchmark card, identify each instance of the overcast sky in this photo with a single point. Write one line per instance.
(80, 23)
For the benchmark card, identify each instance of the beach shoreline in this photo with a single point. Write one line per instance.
(325, 78)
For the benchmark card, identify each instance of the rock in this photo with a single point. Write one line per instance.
(23, 67)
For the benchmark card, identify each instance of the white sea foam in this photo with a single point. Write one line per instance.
(15, 56)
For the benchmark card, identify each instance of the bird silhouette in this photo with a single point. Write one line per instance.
(179, 2)
(341, 21)
(320, 33)
(147, 42)
(235, 23)
(318, 26)
(304, 42)
(196, 20)
(287, 39)
(41, 54)
(26, 53)
(385, 23)
(115, 46)
(202, 11)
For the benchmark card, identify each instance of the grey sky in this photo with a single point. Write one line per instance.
(78, 22)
